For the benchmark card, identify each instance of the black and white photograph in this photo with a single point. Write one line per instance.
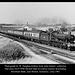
(37, 33)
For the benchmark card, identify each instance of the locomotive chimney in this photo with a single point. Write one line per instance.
(69, 30)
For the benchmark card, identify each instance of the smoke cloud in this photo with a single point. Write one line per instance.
(51, 21)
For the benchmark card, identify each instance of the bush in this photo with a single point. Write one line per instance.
(12, 52)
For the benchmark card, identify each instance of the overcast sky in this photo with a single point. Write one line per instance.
(21, 12)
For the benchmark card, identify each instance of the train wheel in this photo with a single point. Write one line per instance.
(66, 47)
(72, 49)
(19, 37)
(40, 42)
(54, 45)
(58, 46)
(49, 44)
(63, 47)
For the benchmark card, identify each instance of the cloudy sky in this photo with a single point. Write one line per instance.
(22, 12)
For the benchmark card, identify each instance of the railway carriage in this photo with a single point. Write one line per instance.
(18, 33)
(33, 35)
(10, 31)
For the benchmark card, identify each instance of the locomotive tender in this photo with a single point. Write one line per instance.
(52, 38)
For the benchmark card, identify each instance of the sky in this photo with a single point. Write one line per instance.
(22, 12)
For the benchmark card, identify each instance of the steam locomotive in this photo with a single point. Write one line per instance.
(52, 38)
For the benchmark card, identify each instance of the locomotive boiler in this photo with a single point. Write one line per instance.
(63, 37)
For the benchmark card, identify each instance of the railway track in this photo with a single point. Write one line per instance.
(49, 49)
(46, 52)
(53, 57)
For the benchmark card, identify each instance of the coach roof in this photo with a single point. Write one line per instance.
(34, 31)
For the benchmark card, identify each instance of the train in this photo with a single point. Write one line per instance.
(51, 38)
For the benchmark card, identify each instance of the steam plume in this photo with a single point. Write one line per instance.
(52, 21)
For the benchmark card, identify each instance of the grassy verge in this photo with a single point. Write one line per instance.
(12, 51)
